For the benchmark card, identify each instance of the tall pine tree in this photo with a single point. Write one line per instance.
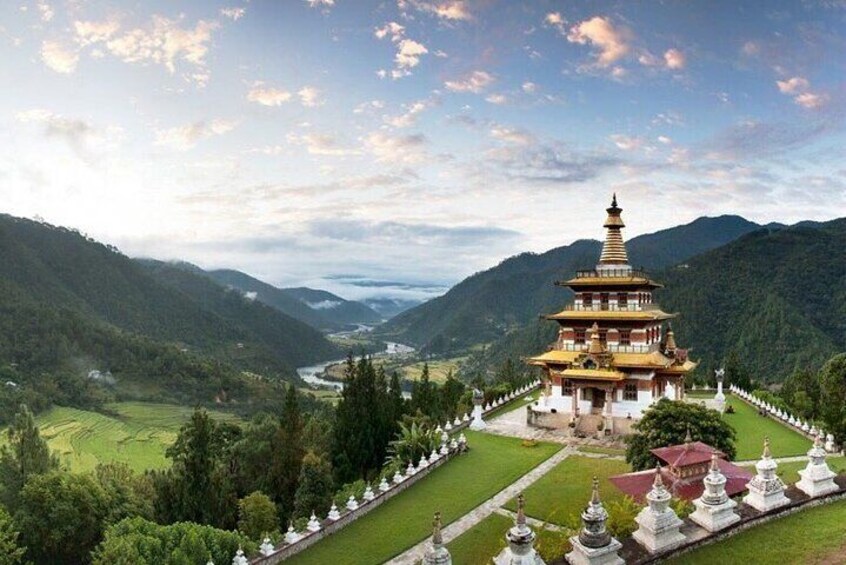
(25, 454)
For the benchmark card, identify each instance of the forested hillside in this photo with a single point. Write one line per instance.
(69, 305)
(490, 304)
(776, 297)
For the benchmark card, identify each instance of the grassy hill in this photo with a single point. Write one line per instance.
(490, 304)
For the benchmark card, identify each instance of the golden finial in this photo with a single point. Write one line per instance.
(594, 497)
(521, 512)
(659, 481)
(766, 454)
(437, 537)
(714, 465)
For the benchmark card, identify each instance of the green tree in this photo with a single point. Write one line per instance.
(315, 488)
(135, 541)
(451, 393)
(11, 553)
(61, 517)
(26, 453)
(667, 423)
(833, 396)
(287, 456)
(801, 392)
(129, 494)
(257, 516)
(423, 394)
(736, 372)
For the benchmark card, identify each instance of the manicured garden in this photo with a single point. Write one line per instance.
(479, 544)
(814, 535)
(137, 433)
(492, 463)
(563, 493)
(789, 472)
(752, 429)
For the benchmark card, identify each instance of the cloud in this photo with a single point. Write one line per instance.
(83, 137)
(321, 144)
(556, 20)
(392, 29)
(496, 99)
(401, 149)
(310, 96)
(322, 4)
(529, 87)
(409, 117)
(88, 32)
(451, 10)
(59, 57)
(753, 139)
(405, 234)
(233, 13)
(183, 138)
(511, 135)
(626, 142)
(793, 85)
(611, 42)
(267, 95)
(801, 88)
(474, 82)
(46, 11)
(675, 59)
(551, 162)
(408, 54)
(366, 107)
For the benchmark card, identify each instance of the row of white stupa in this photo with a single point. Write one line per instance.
(506, 398)
(808, 428)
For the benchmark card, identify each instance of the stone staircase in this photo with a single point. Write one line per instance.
(588, 424)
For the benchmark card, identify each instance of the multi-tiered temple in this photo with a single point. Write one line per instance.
(615, 354)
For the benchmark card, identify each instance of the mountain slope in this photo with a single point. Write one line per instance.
(492, 303)
(49, 269)
(333, 307)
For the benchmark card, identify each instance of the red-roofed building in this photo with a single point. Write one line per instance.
(684, 468)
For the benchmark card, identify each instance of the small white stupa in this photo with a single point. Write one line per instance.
(521, 541)
(334, 514)
(766, 489)
(714, 509)
(266, 547)
(313, 523)
(437, 554)
(478, 399)
(816, 478)
(658, 524)
(594, 544)
(240, 558)
(352, 503)
(292, 536)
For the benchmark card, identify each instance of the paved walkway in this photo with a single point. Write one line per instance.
(458, 527)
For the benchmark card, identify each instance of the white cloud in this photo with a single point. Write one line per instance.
(233, 13)
(599, 32)
(402, 149)
(267, 95)
(529, 87)
(811, 100)
(310, 96)
(46, 11)
(496, 99)
(392, 29)
(626, 142)
(408, 54)
(182, 138)
(453, 10)
(556, 20)
(366, 107)
(59, 57)
(88, 32)
(409, 118)
(324, 4)
(511, 135)
(793, 85)
(408, 51)
(82, 136)
(321, 144)
(664, 139)
(675, 59)
(475, 82)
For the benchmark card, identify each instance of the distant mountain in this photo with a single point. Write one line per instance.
(488, 305)
(71, 302)
(334, 308)
(318, 308)
(776, 296)
(390, 307)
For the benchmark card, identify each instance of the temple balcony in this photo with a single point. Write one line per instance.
(622, 272)
(611, 347)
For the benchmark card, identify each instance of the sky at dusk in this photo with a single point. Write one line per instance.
(395, 147)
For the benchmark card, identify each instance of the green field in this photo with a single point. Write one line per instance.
(752, 429)
(137, 434)
(814, 535)
(492, 463)
(479, 544)
(789, 471)
(565, 490)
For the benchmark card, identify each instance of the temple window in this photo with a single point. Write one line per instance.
(603, 336)
(587, 300)
(622, 300)
(625, 337)
(603, 300)
(630, 392)
(566, 387)
(580, 336)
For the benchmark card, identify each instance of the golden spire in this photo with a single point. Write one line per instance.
(659, 481)
(594, 495)
(595, 344)
(437, 537)
(766, 454)
(614, 250)
(671, 340)
(687, 440)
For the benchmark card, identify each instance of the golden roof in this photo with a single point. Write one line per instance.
(554, 356)
(613, 281)
(681, 369)
(653, 359)
(593, 374)
(637, 315)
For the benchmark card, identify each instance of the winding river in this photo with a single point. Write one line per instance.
(313, 374)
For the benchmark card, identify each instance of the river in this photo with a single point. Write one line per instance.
(313, 374)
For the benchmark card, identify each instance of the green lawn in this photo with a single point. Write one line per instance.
(519, 402)
(601, 450)
(137, 435)
(565, 490)
(479, 544)
(492, 463)
(815, 535)
(751, 430)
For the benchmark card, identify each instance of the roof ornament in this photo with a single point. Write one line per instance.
(688, 440)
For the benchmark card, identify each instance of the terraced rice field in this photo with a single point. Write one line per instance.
(136, 433)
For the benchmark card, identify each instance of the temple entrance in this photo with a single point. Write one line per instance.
(597, 399)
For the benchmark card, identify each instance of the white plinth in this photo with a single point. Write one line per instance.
(582, 555)
(765, 499)
(714, 517)
(658, 531)
(477, 423)
(816, 480)
(507, 557)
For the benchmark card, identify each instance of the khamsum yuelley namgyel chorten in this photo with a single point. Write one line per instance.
(615, 354)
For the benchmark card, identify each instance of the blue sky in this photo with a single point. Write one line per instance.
(415, 141)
